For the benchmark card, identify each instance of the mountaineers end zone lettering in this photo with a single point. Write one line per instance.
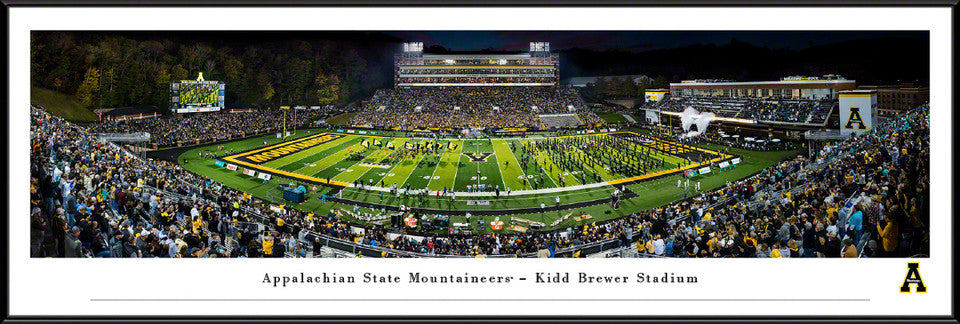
(279, 151)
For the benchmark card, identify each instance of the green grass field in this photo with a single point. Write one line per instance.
(456, 164)
(62, 105)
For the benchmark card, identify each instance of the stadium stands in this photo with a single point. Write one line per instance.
(768, 110)
(822, 111)
(460, 107)
(209, 127)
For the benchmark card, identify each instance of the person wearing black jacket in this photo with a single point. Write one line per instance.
(245, 238)
(832, 246)
(279, 249)
(99, 246)
(317, 246)
(253, 248)
(192, 240)
(58, 229)
(810, 242)
(37, 228)
(130, 249)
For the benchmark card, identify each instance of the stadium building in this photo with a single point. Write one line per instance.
(793, 87)
(784, 108)
(538, 67)
(895, 99)
(509, 92)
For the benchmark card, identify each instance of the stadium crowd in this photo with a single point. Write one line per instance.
(545, 79)
(777, 110)
(459, 107)
(478, 71)
(90, 198)
(207, 127)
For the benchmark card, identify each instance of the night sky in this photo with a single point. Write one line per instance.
(675, 55)
(638, 41)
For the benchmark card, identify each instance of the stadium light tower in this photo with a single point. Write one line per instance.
(539, 52)
(413, 50)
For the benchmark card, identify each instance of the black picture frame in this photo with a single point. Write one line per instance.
(7, 4)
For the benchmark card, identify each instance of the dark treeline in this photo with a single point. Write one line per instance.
(266, 69)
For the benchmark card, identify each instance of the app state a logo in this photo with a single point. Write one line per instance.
(477, 157)
(855, 118)
(913, 278)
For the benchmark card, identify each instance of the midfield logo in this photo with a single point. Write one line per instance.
(913, 278)
(478, 157)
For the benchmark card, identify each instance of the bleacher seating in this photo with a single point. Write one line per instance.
(798, 111)
(458, 107)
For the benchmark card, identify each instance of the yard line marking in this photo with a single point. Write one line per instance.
(350, 166)
(513, 157)
(399, 184)
(397, 142)
(457, 169)
(351, 147)
(455, 153)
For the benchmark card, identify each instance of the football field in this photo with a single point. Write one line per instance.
(502, 177)
(477, 165)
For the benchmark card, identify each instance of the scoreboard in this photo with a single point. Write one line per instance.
(191, 96)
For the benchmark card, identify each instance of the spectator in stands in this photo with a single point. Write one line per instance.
(207, 127)
(890, 234)
(462, 107)
(849, 250)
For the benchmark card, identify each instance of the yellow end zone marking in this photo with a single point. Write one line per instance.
(304, 139)
(285, 173)
(233, 159)
(277, 145)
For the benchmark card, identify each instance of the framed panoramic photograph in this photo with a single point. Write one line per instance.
(480, 163)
